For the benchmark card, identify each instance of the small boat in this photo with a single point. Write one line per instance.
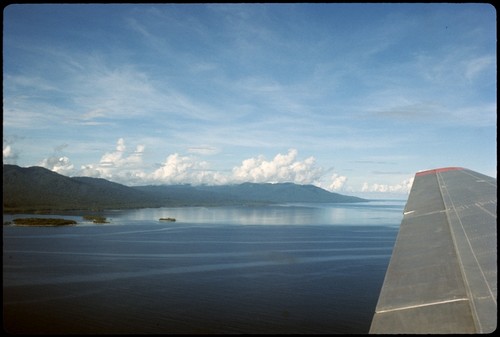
(167, 219)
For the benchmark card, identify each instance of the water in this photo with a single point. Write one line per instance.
(270, 269)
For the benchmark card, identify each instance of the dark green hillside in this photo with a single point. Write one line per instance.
(281, 193)
(38, 189)
(246, 193)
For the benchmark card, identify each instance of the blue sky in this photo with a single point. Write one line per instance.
(354, 98)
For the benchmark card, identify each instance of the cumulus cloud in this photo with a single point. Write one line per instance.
(61, 165)
(336, 182)
(403, 187)
(57, 162)
(189, 169)
(118, 165)
(10, 152)
(179, 169)
(174, 169)
(282, 168)
(127, 167)
(9, 155)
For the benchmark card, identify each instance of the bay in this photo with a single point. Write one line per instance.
(298, 268)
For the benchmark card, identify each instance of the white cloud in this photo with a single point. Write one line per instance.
(403, 187)
(61, 165)
(118, 165)
(174, 170)
(283, 168)
(7, 151)
(9, 155)
(475, 66)
(127, 167)
(92, 114)
(337, 182)
(179, 169)
(119, 93)
(203, 150)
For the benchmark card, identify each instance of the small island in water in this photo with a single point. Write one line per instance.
(167, 219)
(51, 222)
(95, 218)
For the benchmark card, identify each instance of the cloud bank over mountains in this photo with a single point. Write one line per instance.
(127, 166)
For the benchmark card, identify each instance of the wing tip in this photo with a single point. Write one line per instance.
(438, 170)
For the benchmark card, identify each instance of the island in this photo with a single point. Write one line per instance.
(167, 219)
(95, 218)
(44, 222)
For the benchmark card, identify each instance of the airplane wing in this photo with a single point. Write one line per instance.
(442, 276)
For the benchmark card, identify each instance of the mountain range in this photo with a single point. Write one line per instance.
(34, 189)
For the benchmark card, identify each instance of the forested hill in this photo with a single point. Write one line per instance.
(39, 189)
(251, 192)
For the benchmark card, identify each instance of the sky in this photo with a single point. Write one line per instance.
(353, 98)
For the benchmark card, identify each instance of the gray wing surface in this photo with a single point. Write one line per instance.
(442, 276)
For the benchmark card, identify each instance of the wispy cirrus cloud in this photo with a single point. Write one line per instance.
(203, 150)
(106, 97)
(476, 66)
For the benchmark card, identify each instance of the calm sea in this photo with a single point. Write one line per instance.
(271, 269)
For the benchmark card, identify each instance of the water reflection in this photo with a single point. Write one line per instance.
(386, 213)
(370, 213)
